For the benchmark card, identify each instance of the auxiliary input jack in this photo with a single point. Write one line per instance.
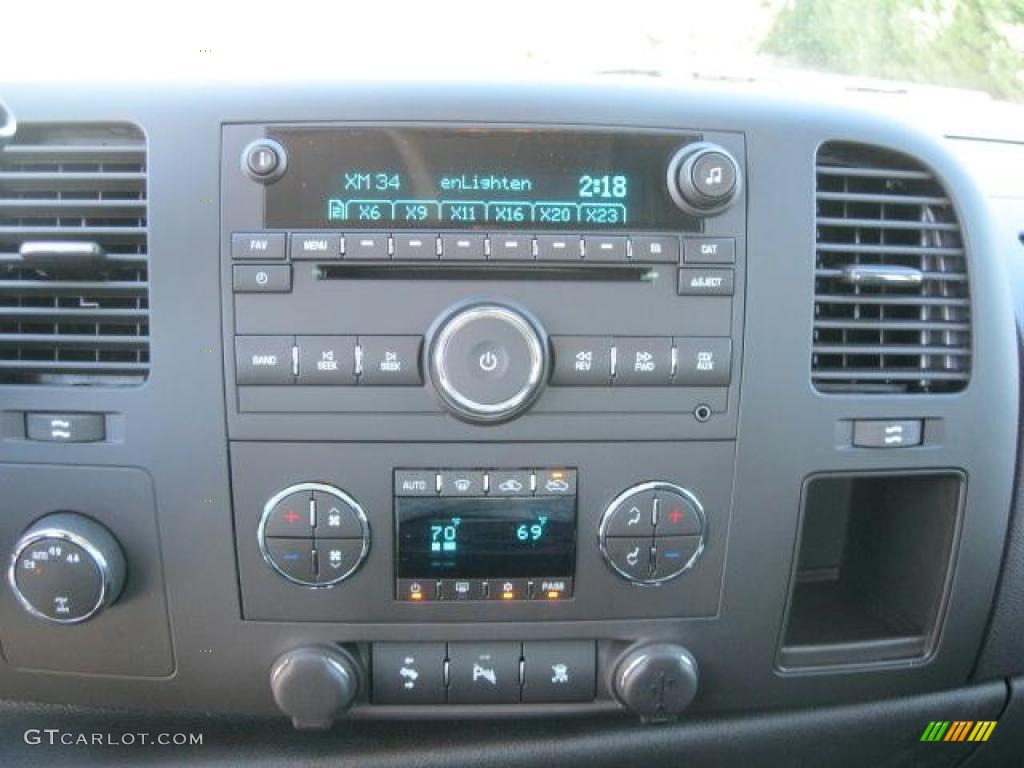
(702, 412)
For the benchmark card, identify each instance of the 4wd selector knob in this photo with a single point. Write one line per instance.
(703, 179)
(67, 568)
(488, 361)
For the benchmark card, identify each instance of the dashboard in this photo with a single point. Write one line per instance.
(433, 402)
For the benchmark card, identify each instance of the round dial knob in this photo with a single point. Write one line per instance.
(652, 532)
(67, 568)
(657, 681)
(703, 179)
(488, 362)
(312, 685)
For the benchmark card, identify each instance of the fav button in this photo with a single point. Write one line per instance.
(559, 671)
(259, 245)
(483, 673)
(65, 427)
(408, 673)
(291, 517)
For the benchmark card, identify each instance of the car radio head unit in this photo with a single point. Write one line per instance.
(473, 178)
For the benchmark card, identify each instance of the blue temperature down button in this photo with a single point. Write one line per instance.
(673, 554)
(293, 558)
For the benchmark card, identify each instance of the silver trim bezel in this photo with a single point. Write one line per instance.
(467, 406)
(99, 561)
(332, 491)
(654, 485)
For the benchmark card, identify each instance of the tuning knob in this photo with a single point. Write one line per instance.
(488, 361)
(67, 568)
(312, 685)
(657, 681)
(703, 179)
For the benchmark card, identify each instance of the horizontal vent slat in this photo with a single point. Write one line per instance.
(894, 300)
(891, 325)
(66, 287)
(882, 199)
(874, 173)
(116, 259)
(853, 374)
(905, 350)
(877, 208)
(67, 366)
(72, 340)
(70, 153)
(923, 226)
(71, 314)
(69, 207)
(72, 233)
(940, 277)
(889, 250)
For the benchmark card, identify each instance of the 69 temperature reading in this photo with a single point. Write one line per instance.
(531, 531)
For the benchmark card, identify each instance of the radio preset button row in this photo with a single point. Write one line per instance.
(479, 246)
(508, 672)
(589, 361)
(480, 482)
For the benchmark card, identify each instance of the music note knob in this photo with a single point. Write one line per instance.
(703, 179)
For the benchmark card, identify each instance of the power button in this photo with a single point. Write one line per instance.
(264, 160)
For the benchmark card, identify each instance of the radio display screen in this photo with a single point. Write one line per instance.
(486, 538)
(471, 178)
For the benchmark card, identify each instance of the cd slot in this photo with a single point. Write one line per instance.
(566, 273)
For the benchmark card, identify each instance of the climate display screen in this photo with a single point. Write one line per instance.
(450, 178)
(481, 538)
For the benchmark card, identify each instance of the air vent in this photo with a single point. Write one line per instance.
(892, 310)
(74, 292)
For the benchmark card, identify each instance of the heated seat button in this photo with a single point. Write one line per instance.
(559, 671)
(408, 673)
(674, 554)
(633, 516)
(390, 360)
(677, 515)
(645, 362)
(291, 517)
(483, 673)
(336, 519)
(582, 361)
(292, 557)
(630, 556)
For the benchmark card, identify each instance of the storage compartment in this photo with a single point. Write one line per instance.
(874, 559)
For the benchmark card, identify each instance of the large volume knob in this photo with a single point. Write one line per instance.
(704, 179)
(657, 681)
(488, 362)
(312, 685)
(67, 568)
